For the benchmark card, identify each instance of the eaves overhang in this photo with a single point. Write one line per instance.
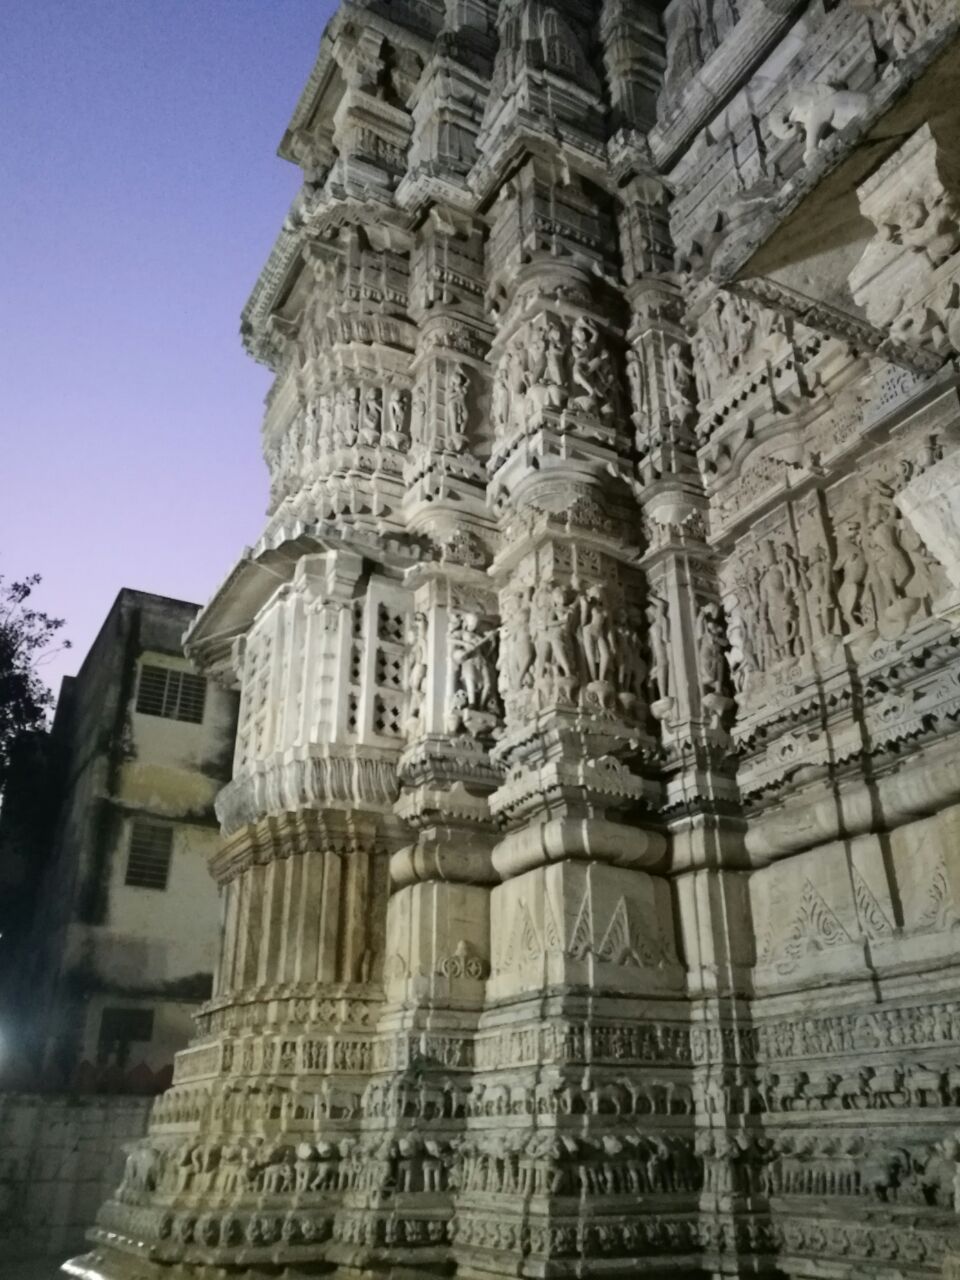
(269, 565)
(776, 233)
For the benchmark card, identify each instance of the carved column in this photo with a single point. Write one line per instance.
(690, 688)
(581, 932)
(437, 925)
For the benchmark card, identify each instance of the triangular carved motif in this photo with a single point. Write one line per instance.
(618, 945)
(581, 938)
(553, 938)
(814, 927)
(873, 919)
(524, 939)
(507, 955)
(940, 913)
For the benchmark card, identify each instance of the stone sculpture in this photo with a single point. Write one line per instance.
(590, 865)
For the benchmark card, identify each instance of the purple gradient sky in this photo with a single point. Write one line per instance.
(141, 194)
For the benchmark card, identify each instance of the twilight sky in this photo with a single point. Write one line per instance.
(141, 194)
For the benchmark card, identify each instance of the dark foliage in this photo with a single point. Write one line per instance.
(27, 637)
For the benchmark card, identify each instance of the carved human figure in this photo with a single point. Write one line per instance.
(473, 664)
(751, 640)
(500, 398)
(311, 433)
(516, 375)
(820, 601)
(888, 566)
(458, 385)
(553, 643)
(710, 365)
(792, 572)
(658, 634)
(637, 378)
(371, 417)
(536, 347)
(543, 361)
(595, 635)
(679, 382)
(416, 674)
(272, 459)
(418, 415)
(778, 599)
(284, 464)
(309, 340)
(395, 436)
(517, 653)
(351, 416)
(585, 357)
(630, 668)
(338, 423)
(553, 361)
(740, 328)
(851, 564)
(711, 642)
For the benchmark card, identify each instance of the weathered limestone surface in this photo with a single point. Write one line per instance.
(592, 856)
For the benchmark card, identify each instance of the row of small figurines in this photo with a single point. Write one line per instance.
(372, 416)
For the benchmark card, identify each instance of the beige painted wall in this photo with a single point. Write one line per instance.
(149, 938)
(59, 1158)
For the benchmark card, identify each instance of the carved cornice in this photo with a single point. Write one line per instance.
(346, 832)
(311, 778)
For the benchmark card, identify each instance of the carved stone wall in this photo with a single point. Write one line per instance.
(592, 885)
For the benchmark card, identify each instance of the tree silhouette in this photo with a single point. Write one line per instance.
(27, 639)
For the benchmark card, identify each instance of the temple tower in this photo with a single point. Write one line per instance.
(590, 886)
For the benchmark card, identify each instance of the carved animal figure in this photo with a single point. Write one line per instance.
(816, 111)
(140, 1170)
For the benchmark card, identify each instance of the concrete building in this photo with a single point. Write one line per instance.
(113, 938)
(591, 860)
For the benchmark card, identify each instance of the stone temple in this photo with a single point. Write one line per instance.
(590, 867)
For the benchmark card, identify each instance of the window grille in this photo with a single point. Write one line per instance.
(175, 695)
(148, 862)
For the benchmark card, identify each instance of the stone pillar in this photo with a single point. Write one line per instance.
(582, 934)
(691, 692)
(439, 912)
(437, 924)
